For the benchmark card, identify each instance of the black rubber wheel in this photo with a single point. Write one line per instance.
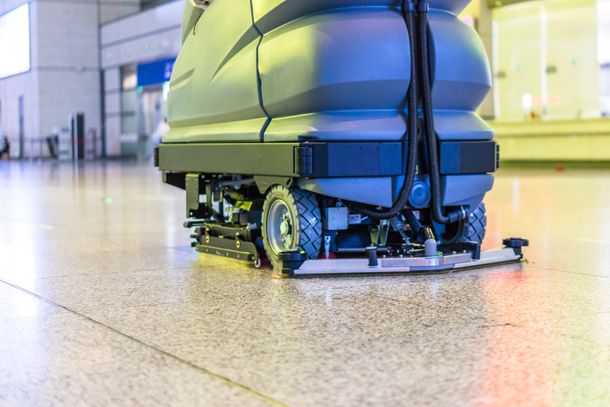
(474, 229)
(291, 220)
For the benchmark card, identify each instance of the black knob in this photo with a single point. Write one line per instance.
(372, 252)
(516, 243)
(292, 260)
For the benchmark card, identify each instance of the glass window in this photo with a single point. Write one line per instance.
(517, 58)
(546, 62)
(15, 41)
(129, 98)
(603, 50)
(128, 123)
(129, 77)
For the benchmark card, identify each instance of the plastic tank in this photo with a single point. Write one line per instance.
(333, 70)
(329, 69)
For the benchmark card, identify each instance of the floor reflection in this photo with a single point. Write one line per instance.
(103, 268)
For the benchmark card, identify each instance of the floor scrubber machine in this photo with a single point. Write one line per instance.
(333, 136)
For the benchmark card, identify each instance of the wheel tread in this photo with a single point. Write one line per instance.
(477, 224)
(310, 219)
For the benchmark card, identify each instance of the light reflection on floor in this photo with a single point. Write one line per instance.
(102, 301)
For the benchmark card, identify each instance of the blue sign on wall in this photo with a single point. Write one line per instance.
(155, 73)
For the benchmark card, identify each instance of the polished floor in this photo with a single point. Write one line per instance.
(103, 302)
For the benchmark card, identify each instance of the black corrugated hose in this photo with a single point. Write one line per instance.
(430, 132)
(409, 8)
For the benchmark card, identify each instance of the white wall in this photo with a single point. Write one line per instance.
(8, 5)
(65, 67)
(67, 64)
(12, 87)
(112, 9)
(159, 19)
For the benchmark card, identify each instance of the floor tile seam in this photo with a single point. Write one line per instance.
(560, 332)
(518, 323)
(473, 318)
(138, 271)
(242, 387)
(144, 271)
(555, 270)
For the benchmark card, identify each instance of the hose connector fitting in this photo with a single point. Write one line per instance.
(458, 215)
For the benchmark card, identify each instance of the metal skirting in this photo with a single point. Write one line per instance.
(443, 263)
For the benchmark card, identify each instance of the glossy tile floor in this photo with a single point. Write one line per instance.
(103, 302)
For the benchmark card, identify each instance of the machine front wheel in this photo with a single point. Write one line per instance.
(474, 229)
(291, 220)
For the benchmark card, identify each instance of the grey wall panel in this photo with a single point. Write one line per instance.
(113, 136)
(68, 36)
(142, 49)
(11, 89)
(111, 9)
(147, 22)
(112, 80)
(112, 103)
(62, 93)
